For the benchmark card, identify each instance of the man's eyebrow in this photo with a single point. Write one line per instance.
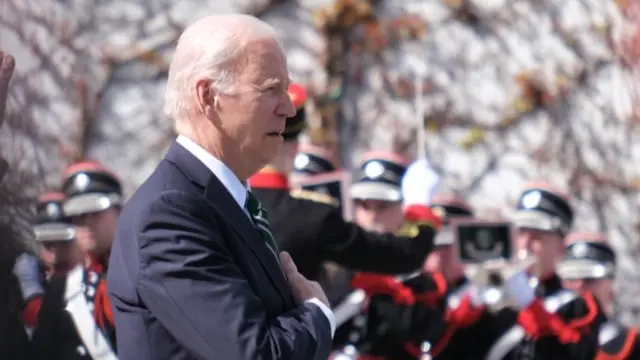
(270, 82)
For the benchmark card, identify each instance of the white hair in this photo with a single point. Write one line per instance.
(205, 50)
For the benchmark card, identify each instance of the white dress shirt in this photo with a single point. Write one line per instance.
(239, 193)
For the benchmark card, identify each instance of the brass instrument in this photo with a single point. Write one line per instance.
(349, 352)
(490, 276)
(425, 351)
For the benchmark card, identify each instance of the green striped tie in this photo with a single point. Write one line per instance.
(260, 220)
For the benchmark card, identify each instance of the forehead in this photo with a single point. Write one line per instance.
(265, 60)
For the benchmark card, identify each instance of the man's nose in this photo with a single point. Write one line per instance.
(286, 107)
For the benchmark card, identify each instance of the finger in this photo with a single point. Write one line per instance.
(296, 279)
(287, 263)
(7, 65)
(285, 257)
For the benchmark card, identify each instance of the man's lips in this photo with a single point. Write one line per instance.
(274, 133)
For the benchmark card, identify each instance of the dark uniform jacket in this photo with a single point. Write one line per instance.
(57, 336)
(13, 337)
(560, 324)
(403, 315)
(314, 232)
(618, 342)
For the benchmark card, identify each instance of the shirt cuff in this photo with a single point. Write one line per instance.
(327, 312)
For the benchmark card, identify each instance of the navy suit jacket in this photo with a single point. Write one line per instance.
(191, 278)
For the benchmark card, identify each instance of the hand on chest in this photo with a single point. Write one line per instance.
(261, 268)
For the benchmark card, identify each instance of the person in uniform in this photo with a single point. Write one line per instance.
(546, 320)
(75, 319)
(445, 258)
(405, 314)
(589, 266)
(376, 192)
(546, 323)
(54, 234)
(313, 170)
(314, 231)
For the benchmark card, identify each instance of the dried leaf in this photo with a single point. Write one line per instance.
(432, 126)
(634, 184)
(474, 137)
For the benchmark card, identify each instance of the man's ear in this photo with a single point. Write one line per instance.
(206, 97)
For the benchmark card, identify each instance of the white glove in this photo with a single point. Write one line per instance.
(517, 287)
(475, 296)
(419, 184)
(27, 271)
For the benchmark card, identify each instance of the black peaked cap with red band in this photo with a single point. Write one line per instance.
(587, 255)
(542, 207)
(380, 177)
(448, 207)
(312, 160)
(90, 187)
(51, 222)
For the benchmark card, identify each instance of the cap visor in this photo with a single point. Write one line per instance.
(583, 269)
(90, 203)
(375, 191)
(54, 232)
(534, 220)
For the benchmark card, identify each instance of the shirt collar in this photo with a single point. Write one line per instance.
(234, 186)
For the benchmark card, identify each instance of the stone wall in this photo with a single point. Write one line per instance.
(511, 90)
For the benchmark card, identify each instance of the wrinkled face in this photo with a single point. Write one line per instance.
(95, 231)
(380, 216)
(547, 245)
(252, 117)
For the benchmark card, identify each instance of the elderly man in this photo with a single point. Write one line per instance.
(195, 272)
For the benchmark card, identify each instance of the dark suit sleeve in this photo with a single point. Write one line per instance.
(351, 246)
(44, 343)
(189, 281)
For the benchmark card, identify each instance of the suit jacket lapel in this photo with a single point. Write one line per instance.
(217, 194)
(219, 197)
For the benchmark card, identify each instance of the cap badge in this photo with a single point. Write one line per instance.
(532, 199)
(82, 182)
(53, 210)
(301, 161)
(579, 250)
(374, 170)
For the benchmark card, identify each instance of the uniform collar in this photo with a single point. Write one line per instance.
(269, 178)
(549, 284)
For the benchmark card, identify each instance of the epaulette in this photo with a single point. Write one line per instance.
(616, 341)
(408, 229)
(314, 196)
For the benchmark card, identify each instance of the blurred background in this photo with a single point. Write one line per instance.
(512, 91)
